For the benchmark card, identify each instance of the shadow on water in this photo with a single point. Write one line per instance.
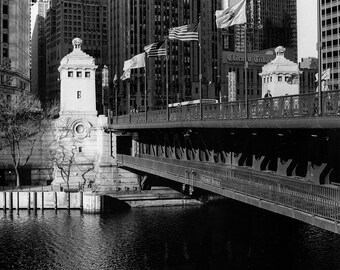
(113, 205)
(222, 234)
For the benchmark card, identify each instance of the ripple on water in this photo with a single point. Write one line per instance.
(214, 237)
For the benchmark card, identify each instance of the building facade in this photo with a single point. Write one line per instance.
(137, 23)
(330, 29)
(38, 47)
(270, 23)
(14, 48)
(66, 20)
(309, 68)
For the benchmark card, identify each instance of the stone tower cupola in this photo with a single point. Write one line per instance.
(77, 82)
(280, 76)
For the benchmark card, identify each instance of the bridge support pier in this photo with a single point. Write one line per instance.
(93, 203)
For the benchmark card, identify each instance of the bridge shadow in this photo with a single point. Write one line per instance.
(113, 205)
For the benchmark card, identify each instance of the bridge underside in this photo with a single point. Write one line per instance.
(311, 154)
(289, 171)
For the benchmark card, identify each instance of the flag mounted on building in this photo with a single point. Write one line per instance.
(187, 32)
(325, 75)
(137, 61)
(155, 49)
(235, 14)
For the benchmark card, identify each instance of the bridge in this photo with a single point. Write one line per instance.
(279, 154)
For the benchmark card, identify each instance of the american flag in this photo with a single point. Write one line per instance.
(184, 33)
(155, 49)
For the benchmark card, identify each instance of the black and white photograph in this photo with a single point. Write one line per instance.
(170, 134)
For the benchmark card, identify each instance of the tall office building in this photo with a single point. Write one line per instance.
(38, 47)
(14, 47)
(330, 30)
(65, 20)
(137, 23)
(270, 23)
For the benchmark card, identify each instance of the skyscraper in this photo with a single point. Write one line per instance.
(14, 48)
(330, 29)
(270, 23)
(135, 24)
(38, 47)
(66, 20)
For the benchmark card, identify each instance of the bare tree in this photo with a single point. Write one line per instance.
(23, 121)
(65, 155)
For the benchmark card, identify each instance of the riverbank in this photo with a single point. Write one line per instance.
(34, 198)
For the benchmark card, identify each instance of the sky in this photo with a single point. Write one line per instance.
(306, 24)
(307, 30)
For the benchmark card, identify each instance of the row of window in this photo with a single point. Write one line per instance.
(328, 11)
(279, 79)
(331, 21)
(330, 43)
(330, 54)
(78, 74)
(327, 1)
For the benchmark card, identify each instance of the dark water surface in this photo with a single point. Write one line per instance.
(220, 235)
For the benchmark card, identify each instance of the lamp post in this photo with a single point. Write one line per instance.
(105, 84)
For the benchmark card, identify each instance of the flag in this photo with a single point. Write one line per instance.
(184, 33)
(235, 14)
(126, 75)
(325, 75)
(293, 79)
(155, 49)
(137, 61)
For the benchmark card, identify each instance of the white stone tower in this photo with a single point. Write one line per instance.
(77, 129)
(280, 76)
(80, 135)
(77, 82)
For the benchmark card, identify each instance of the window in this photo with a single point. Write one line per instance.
(78, 74)
(5, 52)
(279, 78)
(87, 74)
(5, 38)
(5, 24)
(5, 9)
(70, 73)
(78, 94)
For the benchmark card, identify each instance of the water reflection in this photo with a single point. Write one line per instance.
(220, 235)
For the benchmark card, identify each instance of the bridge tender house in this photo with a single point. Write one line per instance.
(234, 62)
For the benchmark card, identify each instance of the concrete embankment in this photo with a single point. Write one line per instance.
(88, 202)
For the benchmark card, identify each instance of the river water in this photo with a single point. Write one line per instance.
(217, 235)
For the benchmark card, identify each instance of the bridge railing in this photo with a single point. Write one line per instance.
(293, 106)
(323, 201)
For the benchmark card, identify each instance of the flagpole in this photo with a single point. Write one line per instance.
(319, 45)
(116, 102)
(245, 70)
(145, 88)
(167, 78)
(200, 68)
(128, 99)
